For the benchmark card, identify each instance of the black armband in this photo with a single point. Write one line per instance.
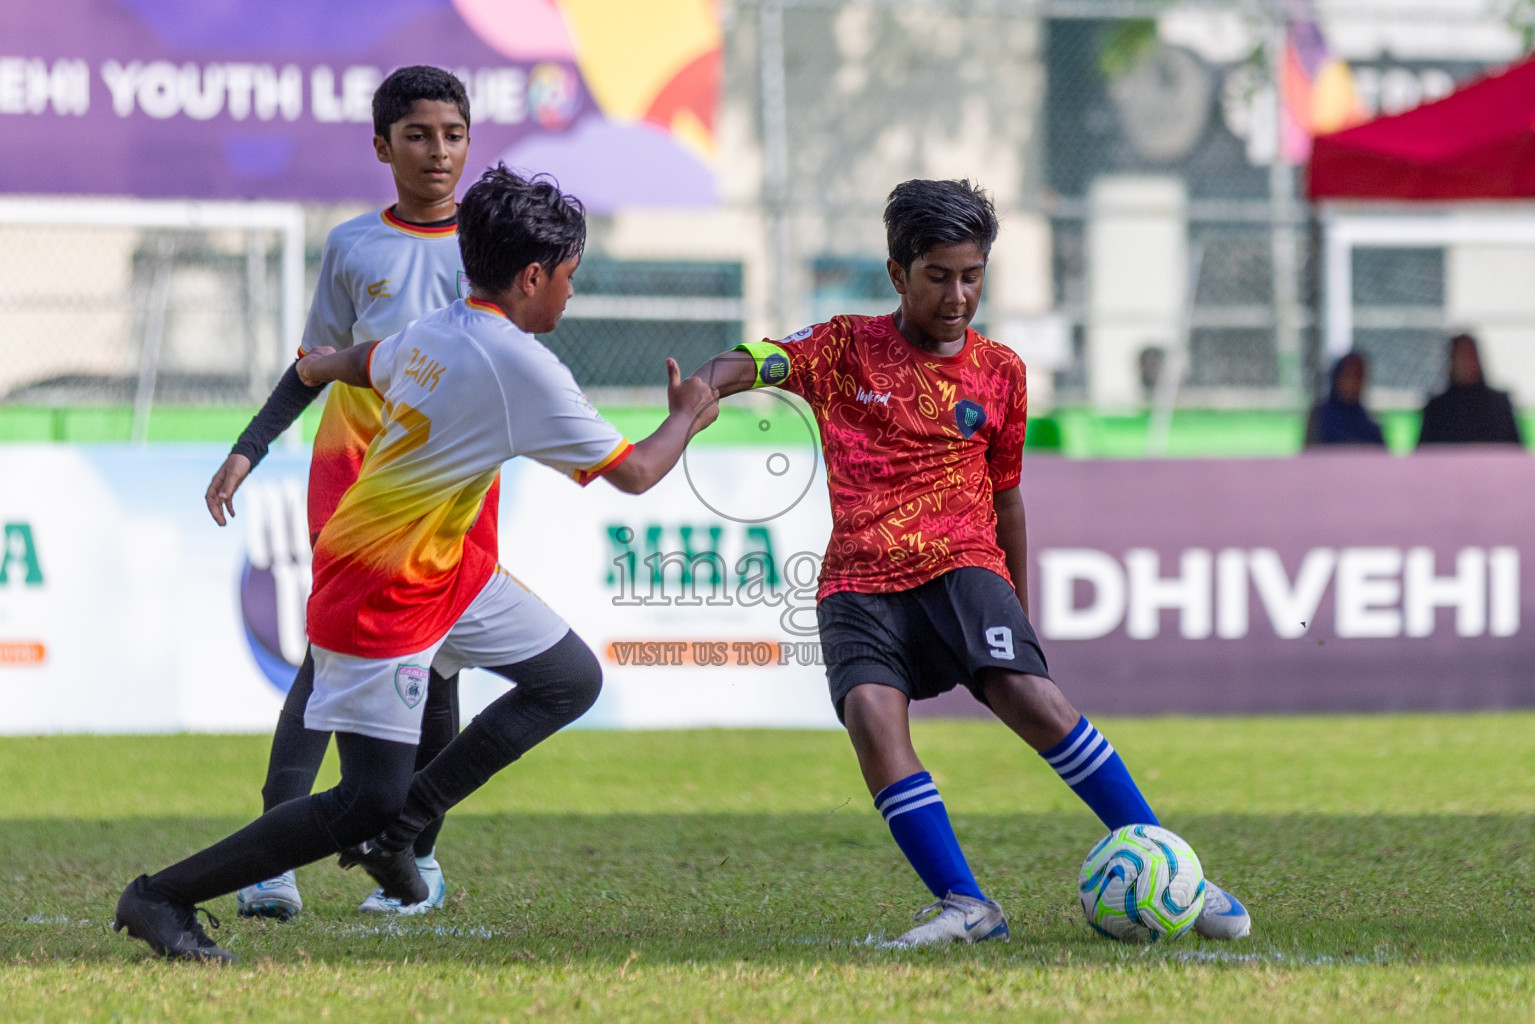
(289, 398)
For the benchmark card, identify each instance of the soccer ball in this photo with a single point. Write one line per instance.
(1141, 883)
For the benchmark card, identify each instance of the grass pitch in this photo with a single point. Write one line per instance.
(741, 875)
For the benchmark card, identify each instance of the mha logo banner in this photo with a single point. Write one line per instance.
(1328, 582)
(616, 99)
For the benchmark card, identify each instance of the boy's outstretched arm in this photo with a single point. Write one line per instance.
(288, 399)
(692, 406)
(729, 373)
(293, 394)
(349, 366)
(1013, 539)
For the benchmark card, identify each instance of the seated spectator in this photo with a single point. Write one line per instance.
(1342, 418)
(1468, 411)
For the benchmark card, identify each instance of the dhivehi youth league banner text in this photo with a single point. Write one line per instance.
(272, 100)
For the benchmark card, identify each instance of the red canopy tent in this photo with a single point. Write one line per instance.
(1476, 143)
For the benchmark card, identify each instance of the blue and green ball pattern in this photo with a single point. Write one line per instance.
(1142, 883)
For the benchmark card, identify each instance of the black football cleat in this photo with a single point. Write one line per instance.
(171, 929)
(394, 870)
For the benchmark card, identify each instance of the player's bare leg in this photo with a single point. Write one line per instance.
(878, 725)
(1035, 709)
(1032, 706)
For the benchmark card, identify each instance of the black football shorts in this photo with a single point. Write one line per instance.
(927, 640)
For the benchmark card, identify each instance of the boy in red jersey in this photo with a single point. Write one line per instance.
(925, 581)
(379, 272)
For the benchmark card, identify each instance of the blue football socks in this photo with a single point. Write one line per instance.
(1086, 761)
(916, 816)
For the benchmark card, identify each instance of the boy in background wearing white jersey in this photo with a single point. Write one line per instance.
(379, 272)
(396, 585)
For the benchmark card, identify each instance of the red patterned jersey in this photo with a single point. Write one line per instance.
(916, 444)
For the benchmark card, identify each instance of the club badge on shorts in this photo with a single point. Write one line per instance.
(410, 684)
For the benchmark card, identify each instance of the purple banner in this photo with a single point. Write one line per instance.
(1347, 582)
(191, 99)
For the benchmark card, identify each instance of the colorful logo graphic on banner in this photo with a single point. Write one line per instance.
(275, 578)
(616, 99)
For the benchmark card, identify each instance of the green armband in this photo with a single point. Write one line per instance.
(772, 363)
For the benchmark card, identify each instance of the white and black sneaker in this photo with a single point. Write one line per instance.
(437, 889)
(956, 918)
(170, 928)
(1223, 916)
(394, 870)
(276, 897)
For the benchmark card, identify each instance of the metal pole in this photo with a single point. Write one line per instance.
(1282, 217)
(257, 366)
(775, 160)
(292, 333)
(1339, 285)
(1176, 363)
(154, 334)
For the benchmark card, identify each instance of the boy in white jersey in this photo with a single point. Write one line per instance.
(397, 587)
(379, 272)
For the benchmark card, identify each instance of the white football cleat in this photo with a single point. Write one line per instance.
(276, 897)
(431, 874)
(1223, 916)
(956, 918)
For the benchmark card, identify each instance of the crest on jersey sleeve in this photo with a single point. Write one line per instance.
(774, 369)
(410, 684)
(801, 334)
(463, 284)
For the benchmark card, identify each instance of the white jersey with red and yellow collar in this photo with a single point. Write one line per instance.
(378, 273)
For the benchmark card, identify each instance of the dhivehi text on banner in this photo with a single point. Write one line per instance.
(1329, 582)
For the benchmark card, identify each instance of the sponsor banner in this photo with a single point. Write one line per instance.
(124, 608)
(1328, 582)
(616, 99)
(701, 614)
(120, 600)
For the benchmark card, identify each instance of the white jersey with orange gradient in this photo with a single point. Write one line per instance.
(463, 390)
(378, 273)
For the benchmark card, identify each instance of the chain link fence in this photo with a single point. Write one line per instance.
(193, 317)
(630, 315)
(1129, 144)
(124, 303)
(1399, 317)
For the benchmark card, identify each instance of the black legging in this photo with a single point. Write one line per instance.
(379, 785)
(297, 752)
(553, 689)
